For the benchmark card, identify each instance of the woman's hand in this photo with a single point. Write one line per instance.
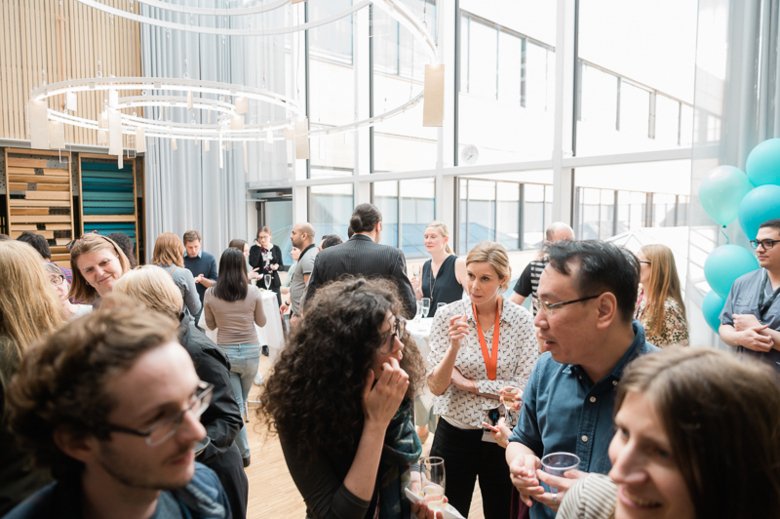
(500, 432)
(463, 383)
(458, 329)
(417, 286)
(381, 400)
(511, 394)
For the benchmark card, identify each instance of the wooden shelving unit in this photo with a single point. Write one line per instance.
(108, 196)
(39, 197)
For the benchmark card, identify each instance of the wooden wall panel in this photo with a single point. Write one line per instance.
(51, 40)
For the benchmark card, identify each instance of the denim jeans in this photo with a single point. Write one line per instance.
(244, 360)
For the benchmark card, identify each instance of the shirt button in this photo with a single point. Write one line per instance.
(592, 399)
(584, 438)
(614, 382)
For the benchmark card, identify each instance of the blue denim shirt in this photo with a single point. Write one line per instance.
(563, 410)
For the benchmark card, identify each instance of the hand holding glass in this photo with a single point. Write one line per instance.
(509, 396)
(557, 463)
(433, 481)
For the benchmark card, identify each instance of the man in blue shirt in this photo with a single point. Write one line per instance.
(202, 265)
(111, 402)
(587, 294)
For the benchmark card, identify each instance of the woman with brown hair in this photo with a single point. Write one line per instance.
(660, 309)
(29, 311)
(168, 254)
(697, 436)
(266, 258)
(97, 262)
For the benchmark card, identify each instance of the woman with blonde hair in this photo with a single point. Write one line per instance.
(167, 254)
(29, 311)
(151, 286)
(97, 263)
(660, 309)
(481, 349)
(443, 274)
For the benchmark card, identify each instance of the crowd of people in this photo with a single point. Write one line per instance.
(115, 403)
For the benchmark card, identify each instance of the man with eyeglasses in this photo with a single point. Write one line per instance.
(588, 336)
(750, 320)
(111, 403)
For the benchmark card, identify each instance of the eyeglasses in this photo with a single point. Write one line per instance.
(398, 330)
(766, 244)
(56, 280)
(167, 426)
(550, 307)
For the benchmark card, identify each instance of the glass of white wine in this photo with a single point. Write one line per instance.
(433, 481)
(425, 304)
(509, 396)
(267, 280)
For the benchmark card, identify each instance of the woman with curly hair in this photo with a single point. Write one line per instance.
(29, 311)
(168, 255)
(660, 309)
(340, 398)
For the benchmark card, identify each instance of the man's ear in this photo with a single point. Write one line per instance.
(379, 226)
(76, 446)
(607, 310)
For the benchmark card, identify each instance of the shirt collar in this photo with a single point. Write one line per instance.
(470, 312)
(633, 351)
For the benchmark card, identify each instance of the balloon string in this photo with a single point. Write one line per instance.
(725, 236)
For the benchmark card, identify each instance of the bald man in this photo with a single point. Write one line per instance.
(528, 283)
(302, 237)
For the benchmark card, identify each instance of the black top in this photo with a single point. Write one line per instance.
(444, 287)
(264, 267)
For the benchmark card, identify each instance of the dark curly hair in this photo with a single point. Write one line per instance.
(314, 397)
(62, 381)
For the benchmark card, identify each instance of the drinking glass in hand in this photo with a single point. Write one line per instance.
(508, 397)
(267, 281)
(426, 306)
(557, 463)
(433, 481)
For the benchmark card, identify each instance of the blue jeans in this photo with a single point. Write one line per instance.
(244, 360)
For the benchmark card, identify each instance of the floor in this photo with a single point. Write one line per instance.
(272, 493)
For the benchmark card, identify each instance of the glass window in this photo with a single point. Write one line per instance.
(534, 219)
(418, 209)
(664, 210)
(477, 210)
(385, 196)
(644, 59)
(632, 206)
(331, 89)
(667, 121)
(508, 215)
(330, 208)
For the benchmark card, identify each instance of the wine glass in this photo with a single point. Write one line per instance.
(433, 481)
(508, 397)
(267, 281)
(425, 305)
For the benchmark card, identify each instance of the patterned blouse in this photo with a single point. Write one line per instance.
(675, 326)
(517, 354)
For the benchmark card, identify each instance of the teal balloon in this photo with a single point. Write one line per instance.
(711, 307)
(725, 264)
(762, 203)
(721, 191)
(763, 163)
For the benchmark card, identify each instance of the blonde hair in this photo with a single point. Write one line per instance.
(80, 290)
(494, 254)
(441, 228)
(29, 308)
(662, 284)
(154, 288)
(168, 250)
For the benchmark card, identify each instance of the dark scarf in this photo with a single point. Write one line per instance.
(402, 449)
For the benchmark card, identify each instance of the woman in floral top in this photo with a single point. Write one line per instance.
(479, 347)
(660, 308)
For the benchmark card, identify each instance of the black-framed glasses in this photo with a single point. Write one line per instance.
(167, 426)
(767, 244)
(398, 330)
(550, 307)
(56, 280)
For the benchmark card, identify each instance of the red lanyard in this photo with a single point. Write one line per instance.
(491, 361)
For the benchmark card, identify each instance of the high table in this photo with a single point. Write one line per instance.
(420, 330)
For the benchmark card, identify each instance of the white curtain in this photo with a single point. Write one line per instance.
(186, 188)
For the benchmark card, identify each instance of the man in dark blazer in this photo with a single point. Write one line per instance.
(361, 255)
